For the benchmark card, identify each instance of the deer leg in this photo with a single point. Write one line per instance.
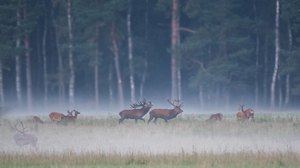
(166, 121)
(151, 117)
(142, 119)
(121, 120)
(155, 120)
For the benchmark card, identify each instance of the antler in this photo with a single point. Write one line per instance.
(242, 107)
(23, 129)
(173, 103)
(138, 104)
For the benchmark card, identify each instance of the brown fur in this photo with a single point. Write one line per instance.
(165, 114)
(136, 114)
(37, 119)
(56, 116)
(215, 117)
(245, 114)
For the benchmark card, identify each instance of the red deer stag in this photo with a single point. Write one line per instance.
(136, 114)
(37, 119)
(22, 138)
(71, 117)
(215, 117)
(245, 114)
(166, 114)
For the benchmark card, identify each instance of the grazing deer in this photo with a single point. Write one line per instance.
(22, 138)
(215, 117)
(245, 114)
(37, 119)
(166, 114)
(56, 116)
(136, 114)
(70, 116)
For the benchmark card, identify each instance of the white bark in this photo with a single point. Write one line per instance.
(130, 55)
(71, 61)
(17, 58)
(174, 45)
(45, 63)
(277, 50)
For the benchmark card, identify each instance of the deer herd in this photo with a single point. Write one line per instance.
(137, 112)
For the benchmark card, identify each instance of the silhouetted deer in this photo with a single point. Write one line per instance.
(22, 138)
(245, 114)
(136, 114)
(215, 117)
(166, 114)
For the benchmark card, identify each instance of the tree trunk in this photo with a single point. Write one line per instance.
(287, 80)
(71, 61)
(201, 98)
(144, 75)
(266, 69)
(276, 63)
(174, 46)
(17, 58)
(96, 69)
(256, 90)
(2, 100)
(110, 86)
(130, 55)
(115, 51)
(45, 62)
(27, 63)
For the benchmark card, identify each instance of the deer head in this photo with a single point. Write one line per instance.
(177, 105)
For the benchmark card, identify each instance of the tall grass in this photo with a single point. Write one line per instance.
(266, 126)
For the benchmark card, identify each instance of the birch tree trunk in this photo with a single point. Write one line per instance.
(287, 79)
(110, 86)
(277, 50)
(144, 75)
(174, 46)
(130, 55)
(2, 100)
(71, 61)
(17, 58)
(27, 63)
(115, 51)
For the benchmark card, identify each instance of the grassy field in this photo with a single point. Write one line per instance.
(273, 140)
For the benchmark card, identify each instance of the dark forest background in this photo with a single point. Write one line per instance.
(110, 53)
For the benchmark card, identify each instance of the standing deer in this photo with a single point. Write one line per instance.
(22, 138)
(245, 114)
(59, 117)
(70, 116)
(136, 114)
(215, 117)
(166, 114)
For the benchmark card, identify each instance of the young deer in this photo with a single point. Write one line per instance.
(22, 138)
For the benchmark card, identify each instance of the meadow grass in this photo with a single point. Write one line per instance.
(266, 125)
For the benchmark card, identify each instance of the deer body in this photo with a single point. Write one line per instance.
(56, 116)
(136, 114)
(37, 119)
(215, 117)
(245, 114)
(165, 114)
(71, 117)
(22, 138)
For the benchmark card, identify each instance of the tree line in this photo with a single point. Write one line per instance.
(215, 52)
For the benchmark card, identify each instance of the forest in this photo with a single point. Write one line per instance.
(107, 54)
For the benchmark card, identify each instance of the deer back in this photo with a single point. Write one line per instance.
(56, 116)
